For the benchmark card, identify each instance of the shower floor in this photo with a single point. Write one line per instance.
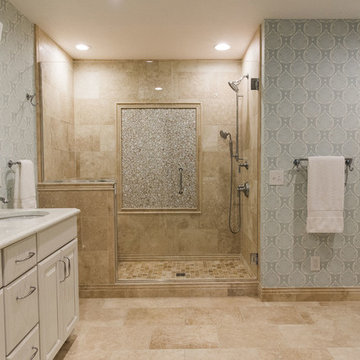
(228, 269)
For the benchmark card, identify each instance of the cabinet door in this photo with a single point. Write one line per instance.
(50, 271)
(69, 290)
(2, 326)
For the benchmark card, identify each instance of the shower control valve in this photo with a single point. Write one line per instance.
(245, 165)
(245, 188)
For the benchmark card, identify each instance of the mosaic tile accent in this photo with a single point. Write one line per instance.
(311, 94)
(155, 144)
(193, 270)
(18, 117)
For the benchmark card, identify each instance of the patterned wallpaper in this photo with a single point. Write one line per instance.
(17, 116)
(311, 106)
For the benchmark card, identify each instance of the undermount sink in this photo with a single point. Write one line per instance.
(22, 214)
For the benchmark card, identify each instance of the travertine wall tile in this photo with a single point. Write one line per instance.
(203, 82)
(56, 109)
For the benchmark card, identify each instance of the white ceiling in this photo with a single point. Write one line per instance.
(168, 29)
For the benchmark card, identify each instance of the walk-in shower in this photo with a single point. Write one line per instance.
(240, 162)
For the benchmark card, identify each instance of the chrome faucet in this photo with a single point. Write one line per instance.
(3, 200)
(245, 188)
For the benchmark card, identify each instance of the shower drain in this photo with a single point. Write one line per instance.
(180, 274)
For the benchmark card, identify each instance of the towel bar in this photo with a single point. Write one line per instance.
(348, 163)
(11, 163)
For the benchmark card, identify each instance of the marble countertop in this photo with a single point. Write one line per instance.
(15, 229)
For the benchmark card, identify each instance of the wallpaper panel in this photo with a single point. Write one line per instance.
(17, 116)
(310, 106)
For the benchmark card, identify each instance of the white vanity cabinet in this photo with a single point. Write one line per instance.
(58, 298)
(2, 326)
(39, 301)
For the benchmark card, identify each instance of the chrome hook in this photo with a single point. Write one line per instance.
(30, 99)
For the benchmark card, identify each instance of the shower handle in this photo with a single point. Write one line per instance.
(245, 188)
(181, 187)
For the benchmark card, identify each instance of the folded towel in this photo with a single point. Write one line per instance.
(325, 197)
(24, 187)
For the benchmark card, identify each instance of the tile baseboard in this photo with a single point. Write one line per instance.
(310, 294)
(194, 289)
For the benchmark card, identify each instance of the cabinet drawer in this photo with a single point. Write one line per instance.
(19, 258)
(55, 237)
(28, 349)
(21, 308)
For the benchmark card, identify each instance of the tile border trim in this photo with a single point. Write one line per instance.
(309, 294)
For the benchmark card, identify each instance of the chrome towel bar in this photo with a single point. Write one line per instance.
(348, 163)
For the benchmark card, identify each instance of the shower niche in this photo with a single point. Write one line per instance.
(158, 157)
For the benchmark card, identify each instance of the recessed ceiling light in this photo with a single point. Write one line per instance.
(149, 61)
(222, 46)
(82, 47)
(158, 88)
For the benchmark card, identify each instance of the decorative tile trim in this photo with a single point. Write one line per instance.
(194, 199)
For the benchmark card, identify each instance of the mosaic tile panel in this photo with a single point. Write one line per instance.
(155, 144)
(17, 116)
(190, 270)
(311, 94)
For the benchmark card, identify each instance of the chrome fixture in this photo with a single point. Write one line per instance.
(245, 188)
(241, 163)
(181, 187)
(30, 98)
(245, 164)
(226, 135)
(235, 86)
(12, 163)
(348, 165)
(3, 200)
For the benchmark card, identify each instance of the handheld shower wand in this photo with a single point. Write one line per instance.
(226, 135)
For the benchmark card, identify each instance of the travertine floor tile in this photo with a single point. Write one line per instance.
(184, 337)
(212, 316)
(345, 353)
(249, 335)
(257, 354)
(124, 337)
(273, 315)
(148, 355)
(213, 329)
(151, 316)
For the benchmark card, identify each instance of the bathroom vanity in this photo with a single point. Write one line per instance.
(39, 301)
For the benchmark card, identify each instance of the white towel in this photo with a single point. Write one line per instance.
(325, 194)
(24, 187)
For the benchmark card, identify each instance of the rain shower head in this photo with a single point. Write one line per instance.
(235, 84)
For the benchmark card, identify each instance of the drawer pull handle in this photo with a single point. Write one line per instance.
(69, 265)
(31, 254)
(65, 277)
(32, 289)
(35, 353)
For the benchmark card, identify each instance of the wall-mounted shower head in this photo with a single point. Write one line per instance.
(235, 84)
